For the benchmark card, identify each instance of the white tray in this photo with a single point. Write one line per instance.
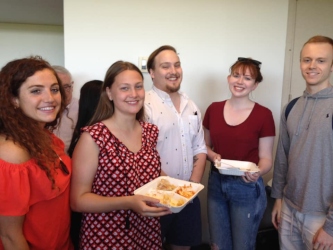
(151, 188)
(238, 168)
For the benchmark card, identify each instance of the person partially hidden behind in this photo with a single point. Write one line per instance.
(303, 169)
(89, 96)
(68, 119)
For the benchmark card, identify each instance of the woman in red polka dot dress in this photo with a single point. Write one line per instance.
(115, 155)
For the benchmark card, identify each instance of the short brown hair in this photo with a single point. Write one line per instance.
(151, 58)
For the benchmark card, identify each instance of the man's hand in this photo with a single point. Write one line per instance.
(322, 240)
(276, 213)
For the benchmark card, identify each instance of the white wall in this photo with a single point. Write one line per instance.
(209, 36)
(22, 40)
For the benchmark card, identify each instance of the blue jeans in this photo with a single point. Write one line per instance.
(235, 209)
(296, 230)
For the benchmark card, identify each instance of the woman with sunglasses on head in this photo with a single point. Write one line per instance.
(238, 129)
(115, 155)
(35, 172)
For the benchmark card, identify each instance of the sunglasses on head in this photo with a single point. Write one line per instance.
(243, 59)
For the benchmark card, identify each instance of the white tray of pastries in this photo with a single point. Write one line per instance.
(231, 167)
(171, 192)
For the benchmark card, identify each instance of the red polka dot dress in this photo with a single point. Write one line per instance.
(119, 173)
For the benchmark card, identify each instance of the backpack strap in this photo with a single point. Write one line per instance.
(290, 106)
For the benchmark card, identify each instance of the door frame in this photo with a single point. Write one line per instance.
(289, 52)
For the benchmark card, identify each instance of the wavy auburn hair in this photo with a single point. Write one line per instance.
(18, 127)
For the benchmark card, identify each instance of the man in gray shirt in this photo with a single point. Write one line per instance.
(303, 169)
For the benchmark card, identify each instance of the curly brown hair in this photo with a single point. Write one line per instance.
(18, 127)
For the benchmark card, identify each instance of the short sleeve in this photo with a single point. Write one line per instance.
(213, 115)
(99, 133)
(151, 133)
(268, 128)
(14, 188)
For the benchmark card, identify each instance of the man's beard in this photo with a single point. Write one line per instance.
(173, 89)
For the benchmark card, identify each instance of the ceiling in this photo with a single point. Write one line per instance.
(48, 12)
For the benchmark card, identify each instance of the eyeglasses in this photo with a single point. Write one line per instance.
(243, 59)
(68, 86)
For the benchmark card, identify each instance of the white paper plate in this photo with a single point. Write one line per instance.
(231, 167)
(151, 189)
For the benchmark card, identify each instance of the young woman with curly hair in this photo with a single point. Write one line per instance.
(34, 169)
